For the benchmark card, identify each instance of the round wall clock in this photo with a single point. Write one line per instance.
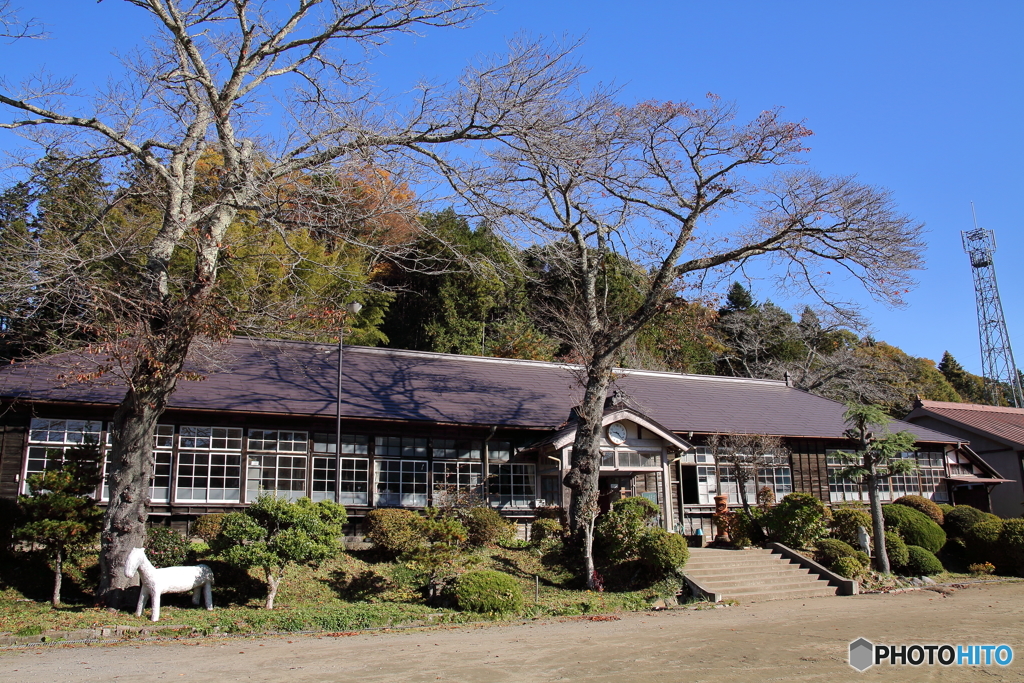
(617, 433)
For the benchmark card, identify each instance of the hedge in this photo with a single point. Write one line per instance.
(394, 532)
(845, 523)
(896, 550)
(828, 551)
(922, 504)
(488, 592)
(922, 562)
(914, 527)
(1011, 541)
(961, 518)
(662, 552)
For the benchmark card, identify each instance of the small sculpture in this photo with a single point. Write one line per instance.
(863, 539)
(168, 580)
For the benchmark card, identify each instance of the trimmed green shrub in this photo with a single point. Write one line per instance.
(845, 522)
(961, 518)
(273, 534)
(982, 541)
(945, 507)
(896, 550)
(799, 520)
(488, 592)
(165, 547)
(916, 528)
(486, 526)
(848, 567)
(544, 529)
(207, 527)
(394, 532)
(922, 504)
(743, 528)
(828, 550)
(662, 552)
(1011, 542)
(922, 562)
(618, 533)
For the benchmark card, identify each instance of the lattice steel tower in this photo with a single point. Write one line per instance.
(1001, 378)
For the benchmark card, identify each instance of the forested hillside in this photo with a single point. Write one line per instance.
(448, 286)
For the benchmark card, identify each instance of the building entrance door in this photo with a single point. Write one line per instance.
(611, 489)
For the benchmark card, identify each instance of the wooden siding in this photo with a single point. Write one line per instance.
(810, 470)
(12, 447)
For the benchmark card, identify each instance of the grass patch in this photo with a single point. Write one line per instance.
(353, 591)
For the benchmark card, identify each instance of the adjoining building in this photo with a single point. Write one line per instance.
(996, 435)
(415, 426)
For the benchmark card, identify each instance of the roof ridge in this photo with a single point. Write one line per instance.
(977, 407)
(518, 361)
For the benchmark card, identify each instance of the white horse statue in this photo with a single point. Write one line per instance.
(168, 580)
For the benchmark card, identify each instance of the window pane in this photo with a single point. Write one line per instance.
(401, 483)
(512, 485)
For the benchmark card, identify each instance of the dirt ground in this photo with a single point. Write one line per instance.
(792, 640)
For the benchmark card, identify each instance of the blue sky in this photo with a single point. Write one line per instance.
(924, 98)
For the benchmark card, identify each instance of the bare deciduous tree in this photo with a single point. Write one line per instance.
(746, 454)
(12, 27)
(186, 128)
(651, 184)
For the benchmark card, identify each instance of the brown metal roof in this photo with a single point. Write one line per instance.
(295, 378)
(1002, 424)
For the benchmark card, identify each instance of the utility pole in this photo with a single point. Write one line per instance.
(1002, 380)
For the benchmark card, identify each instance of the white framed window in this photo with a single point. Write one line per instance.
(210, 438)
(63, 434)
(629, 459)
(209, 477)
(355, 474)
(499, 451)
(354, 481)
(451, 477)
(512, 485)
(707, 484)
(160, 483)
(278, 441)
(279, 475)
(700, 455)
(401, 446)
(163, 437)
(778, 479)
(461, 449)
(65, 431)
(729, 486)
(401, 483)
(203, 474)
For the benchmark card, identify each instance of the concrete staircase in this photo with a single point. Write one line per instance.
(752, 575)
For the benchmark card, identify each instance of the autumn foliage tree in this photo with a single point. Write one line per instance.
(184, 126)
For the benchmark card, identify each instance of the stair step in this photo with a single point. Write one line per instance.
(733, 572)
(730, 588)
(753, 575)
(721, 585)
(783, 595)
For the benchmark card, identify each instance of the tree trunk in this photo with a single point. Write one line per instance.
(273, 583)
(58, 569)
(582, 478)
(742, 476)
(131, 457)
(877, 522)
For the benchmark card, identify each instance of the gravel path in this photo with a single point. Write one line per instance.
(791, 640)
